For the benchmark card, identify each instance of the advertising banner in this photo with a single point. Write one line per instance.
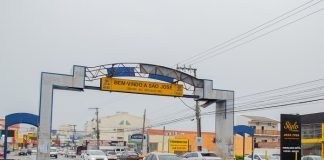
(142, 87)
(290, 148)
(177, 144)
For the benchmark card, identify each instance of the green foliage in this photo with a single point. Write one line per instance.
(238, 157)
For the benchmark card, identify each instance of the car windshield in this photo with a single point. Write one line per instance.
(53, 150)
(96, 152)
(169, 157)
(312, 158)
(208, 154)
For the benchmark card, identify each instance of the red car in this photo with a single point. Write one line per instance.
(1, 154)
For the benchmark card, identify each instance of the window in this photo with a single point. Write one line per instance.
(127, 123)
(194, 155)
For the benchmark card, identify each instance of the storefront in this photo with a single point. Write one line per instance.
(313, 134)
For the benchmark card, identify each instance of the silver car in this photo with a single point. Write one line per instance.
(95, 155)
(311, 157)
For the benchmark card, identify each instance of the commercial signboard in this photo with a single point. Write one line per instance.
(106, 143)
(142, 87)
(137, 137)
(290, 137)
(178, 144)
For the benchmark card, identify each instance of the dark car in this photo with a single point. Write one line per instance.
(29, 151)
(129, 155)
(23, 152)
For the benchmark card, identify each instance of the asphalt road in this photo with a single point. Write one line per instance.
(33, 157)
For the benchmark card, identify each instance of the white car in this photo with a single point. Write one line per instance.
(311, 157)
(53, 152)
(111, 155)
(201, 156)
(162, 156)
(260, 157)
(95, 155)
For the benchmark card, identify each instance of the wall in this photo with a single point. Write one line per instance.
(238, 145)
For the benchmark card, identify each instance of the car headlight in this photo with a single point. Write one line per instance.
(93, 158)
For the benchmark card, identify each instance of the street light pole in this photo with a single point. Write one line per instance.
(97, 121)
(73, 137)
(197, 108)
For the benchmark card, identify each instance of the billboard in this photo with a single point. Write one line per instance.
(290, 137)
(178, 144)
(141, 87)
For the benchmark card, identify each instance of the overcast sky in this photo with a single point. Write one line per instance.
(53, 36)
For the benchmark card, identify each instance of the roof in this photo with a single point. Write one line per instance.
(312, 118)
(173, 132)
(260, 119)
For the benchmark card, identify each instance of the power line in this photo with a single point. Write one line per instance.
(260, 36)
(231, 41)
(186, 104)
(283, 88)
(271, 99)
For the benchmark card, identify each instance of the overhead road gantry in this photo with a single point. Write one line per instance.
(105, 78)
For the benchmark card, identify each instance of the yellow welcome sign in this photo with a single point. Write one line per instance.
(142, 87)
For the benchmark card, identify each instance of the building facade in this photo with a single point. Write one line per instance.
(313, 134)
(156, 138)
(266, 130)
(116, 127)
(12, 134)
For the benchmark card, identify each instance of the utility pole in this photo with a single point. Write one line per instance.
(73, 137)
(194, 70)
(97, 129)
(163, 139)
(143, 131)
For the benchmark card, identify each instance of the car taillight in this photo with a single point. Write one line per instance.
(131, 156)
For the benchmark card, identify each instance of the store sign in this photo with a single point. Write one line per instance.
(137, 137)
(178, 145)
(142, 87)
(106, 143)
(290, 137)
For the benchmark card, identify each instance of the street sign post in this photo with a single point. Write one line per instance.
(199, 141)
(141, 87)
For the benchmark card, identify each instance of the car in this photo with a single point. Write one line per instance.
(34, 150)
(162, 156)
(111, 155)
(61, 152)
(53, 152)
(201, 156)
(311, 157)
(1, 154)
(83, 152)
(23, 152)
(129, 155)
(261, 157)
(70, 153)
(29, 151)
(95, 155)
